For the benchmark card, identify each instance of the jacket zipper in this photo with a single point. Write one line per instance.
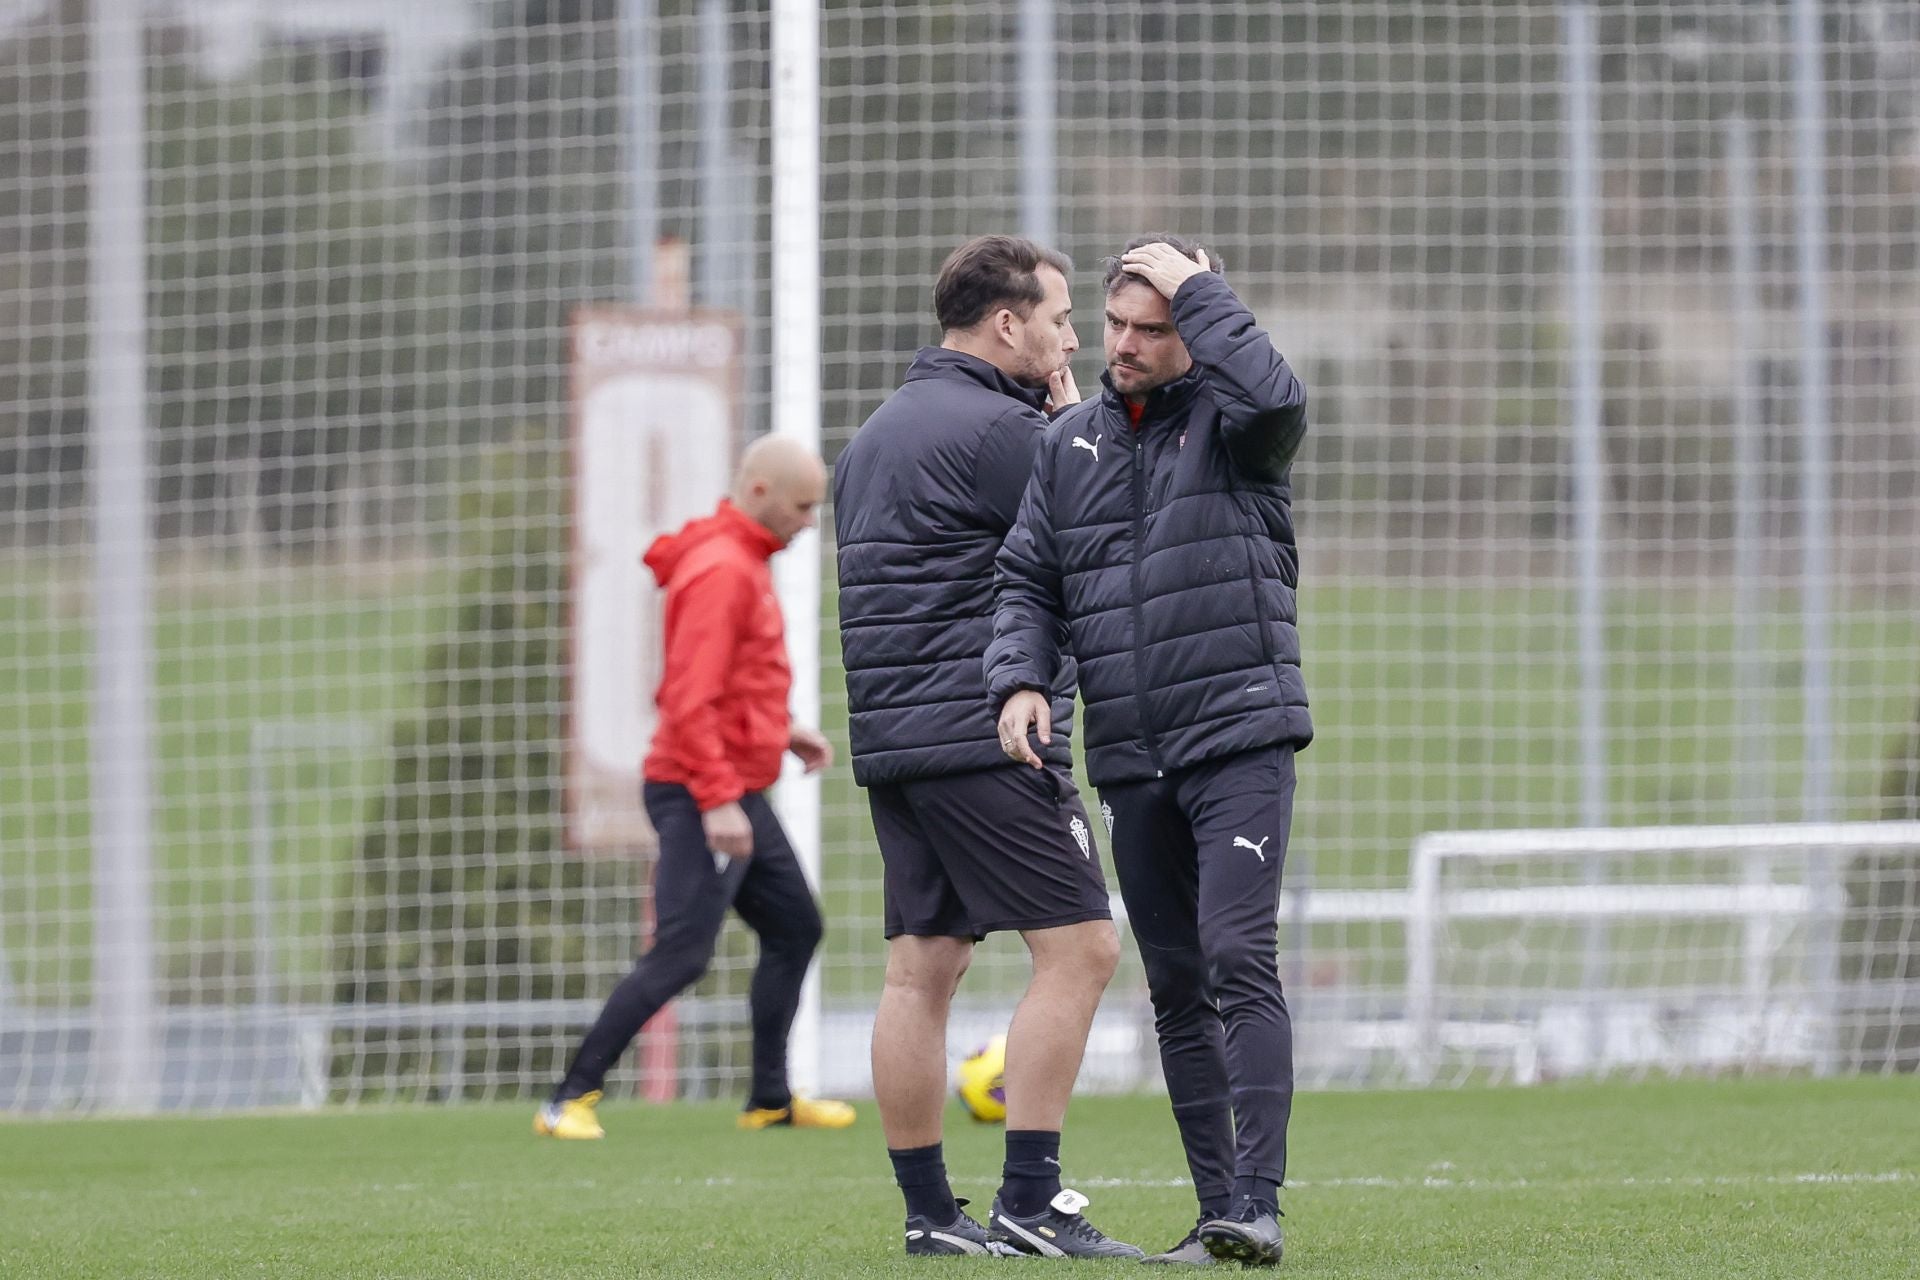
(1139, 614)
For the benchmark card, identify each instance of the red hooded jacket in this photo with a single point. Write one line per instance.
(722, 700)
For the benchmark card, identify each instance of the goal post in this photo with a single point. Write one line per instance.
(1733, 961)
(796, 412)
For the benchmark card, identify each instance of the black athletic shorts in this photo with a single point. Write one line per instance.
(970, 854)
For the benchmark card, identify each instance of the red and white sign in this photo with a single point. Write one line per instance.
(656, 420)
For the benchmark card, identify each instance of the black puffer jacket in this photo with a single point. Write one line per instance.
(922, 498)
(1168, 553)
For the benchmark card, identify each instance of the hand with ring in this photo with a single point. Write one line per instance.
(1027, 709)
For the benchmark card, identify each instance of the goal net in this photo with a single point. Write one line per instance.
(1539, 954)
(1608, 314)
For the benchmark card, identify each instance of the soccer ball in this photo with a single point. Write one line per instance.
(979, 1082)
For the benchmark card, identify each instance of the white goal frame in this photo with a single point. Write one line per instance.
(1756, 902)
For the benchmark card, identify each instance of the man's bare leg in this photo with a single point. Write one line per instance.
(1071, 968)
(910, 1067)
(1072, 965)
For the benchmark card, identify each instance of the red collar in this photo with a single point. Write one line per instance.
(1135, 411)
(747, 531)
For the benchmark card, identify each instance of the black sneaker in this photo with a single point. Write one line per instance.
(1188, 1253)
(1058, 1231)
(927, 1239)
(1249, 1236)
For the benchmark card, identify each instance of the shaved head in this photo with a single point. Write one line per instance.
(781, 484)
(778, 458)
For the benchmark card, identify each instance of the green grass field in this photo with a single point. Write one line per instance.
(1689, 1179)
(1437, 707)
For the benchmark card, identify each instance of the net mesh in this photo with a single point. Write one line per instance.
(369, 225)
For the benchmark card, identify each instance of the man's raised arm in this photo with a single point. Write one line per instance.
(1263, 407)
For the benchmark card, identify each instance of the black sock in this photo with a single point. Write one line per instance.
(770, 1101)
(1032, 1171)
(1263, 1192)
(1213, 1208)
(922, 1175)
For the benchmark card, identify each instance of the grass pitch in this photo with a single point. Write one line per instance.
(1708, 1179)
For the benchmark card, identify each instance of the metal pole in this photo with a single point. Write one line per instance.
(740, 205)
(1582, 126)
(1748, 492)
(1588, 460)
(796, 411)
(716, 254)
(1038, 100)
(1750, 737)
(260, 796)
(638, 106)
(126, 1045)
(1816, 507)
(1816, 563)
(1423, 1013)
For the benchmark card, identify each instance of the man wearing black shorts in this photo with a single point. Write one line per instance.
(923, 496)
(1156, 543)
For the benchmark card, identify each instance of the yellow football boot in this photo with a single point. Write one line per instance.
(800, 1113)
(572, 1119)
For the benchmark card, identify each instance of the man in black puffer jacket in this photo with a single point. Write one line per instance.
(1157, 537)
(972, 844)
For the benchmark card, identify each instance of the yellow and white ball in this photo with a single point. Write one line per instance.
(980, 1082)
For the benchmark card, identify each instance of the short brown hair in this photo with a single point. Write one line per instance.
(1116, 275)
(989, 272)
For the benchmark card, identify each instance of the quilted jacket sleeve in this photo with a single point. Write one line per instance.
(1263, 407)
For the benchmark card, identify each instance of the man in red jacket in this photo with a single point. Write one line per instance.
(722, 731)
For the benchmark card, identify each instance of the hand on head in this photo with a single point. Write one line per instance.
(1163, 266)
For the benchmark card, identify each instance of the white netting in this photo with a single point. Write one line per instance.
(1629, 950)
(368, 225)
